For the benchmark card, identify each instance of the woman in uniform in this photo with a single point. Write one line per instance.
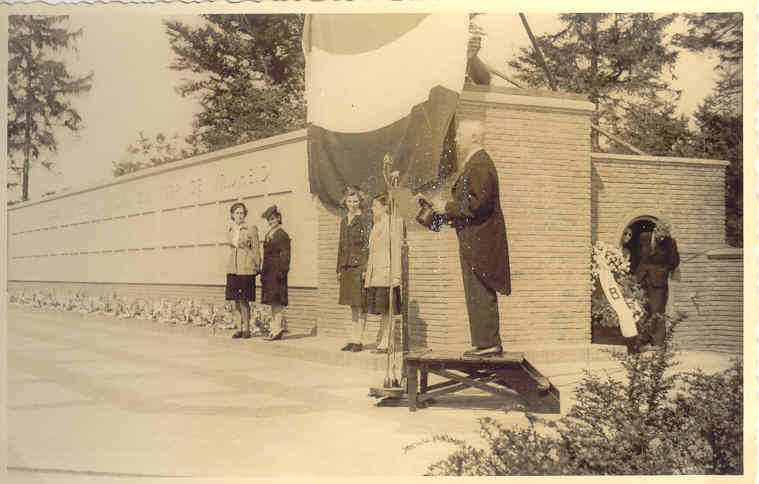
(276, 265)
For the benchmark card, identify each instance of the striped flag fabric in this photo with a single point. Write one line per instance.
(380, 84)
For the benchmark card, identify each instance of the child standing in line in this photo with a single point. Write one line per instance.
(243, 264)
(384, 262)
(276, 265)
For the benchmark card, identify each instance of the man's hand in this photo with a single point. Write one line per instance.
(438, 204)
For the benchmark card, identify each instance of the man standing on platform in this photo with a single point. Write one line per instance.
(475, 212)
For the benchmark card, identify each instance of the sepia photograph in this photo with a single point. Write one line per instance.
(253, 242)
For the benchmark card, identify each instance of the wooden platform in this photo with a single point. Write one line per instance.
(507, 374)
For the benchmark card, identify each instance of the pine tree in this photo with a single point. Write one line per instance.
(149, 152)
(652, 126)
(248, 73)
(612, 58)
(40, 89)
(721, 33)
(720, 117)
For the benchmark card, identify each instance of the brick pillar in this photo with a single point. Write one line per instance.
(541, 149)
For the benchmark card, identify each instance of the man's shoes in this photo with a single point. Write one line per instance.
(379, 351)
(237, 335)
(348, 347)
(647, 349)
(246, 334)
(356, 347)
(482, 352)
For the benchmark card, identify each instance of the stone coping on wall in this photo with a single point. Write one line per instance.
(527, 98)
(525, 91)
(236, 150)
(652, 159)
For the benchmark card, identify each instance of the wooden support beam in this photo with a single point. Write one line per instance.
(455, 387)
(618, 140)
(474, 383)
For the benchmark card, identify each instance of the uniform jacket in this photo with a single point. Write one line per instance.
(656, 263)
(276, 265)
(475, 212)
(378, 263)
(353, 247)
(244, 257)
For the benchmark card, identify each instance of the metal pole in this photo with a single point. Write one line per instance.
(390, 180)
(538, 53)
(502, 75)
(592, 125)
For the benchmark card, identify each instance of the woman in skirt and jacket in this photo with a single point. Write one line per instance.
(385, 245)
(276, 265)
(243, 264)
(352, 256)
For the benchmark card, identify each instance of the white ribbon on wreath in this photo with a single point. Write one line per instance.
(613, 293)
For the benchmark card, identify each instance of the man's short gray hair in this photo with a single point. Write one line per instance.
(472, 130)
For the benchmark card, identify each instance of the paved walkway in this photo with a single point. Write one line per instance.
(98, 398)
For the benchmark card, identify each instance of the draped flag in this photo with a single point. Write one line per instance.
(613, 294)
(380, 84)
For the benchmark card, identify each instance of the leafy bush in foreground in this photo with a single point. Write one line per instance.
(653, 421)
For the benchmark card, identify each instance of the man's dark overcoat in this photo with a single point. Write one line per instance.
(654, 268)
(475, 211)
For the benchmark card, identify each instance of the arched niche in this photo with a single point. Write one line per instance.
(638, 222)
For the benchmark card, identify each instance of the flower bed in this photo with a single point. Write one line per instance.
(169, 311)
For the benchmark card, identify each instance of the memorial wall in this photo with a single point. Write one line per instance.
(161, 233)
(167, 225)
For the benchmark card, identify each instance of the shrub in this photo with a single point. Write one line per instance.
(652, 421)
(713, 410)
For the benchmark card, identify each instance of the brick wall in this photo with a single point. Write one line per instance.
(301, 312)
(540, 145)
(711, 294)
(690, 194)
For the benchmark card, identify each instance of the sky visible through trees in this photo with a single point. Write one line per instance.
(193, 84)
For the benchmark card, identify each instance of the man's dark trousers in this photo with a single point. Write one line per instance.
(482, 308)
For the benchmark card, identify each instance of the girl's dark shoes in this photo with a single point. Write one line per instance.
(237, 335)
(356, 347)
(348, 347)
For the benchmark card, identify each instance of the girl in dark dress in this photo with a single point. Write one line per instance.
(276, 265)
(352, 254)
(243, 264)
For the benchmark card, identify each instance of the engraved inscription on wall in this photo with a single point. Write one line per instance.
(166, 227)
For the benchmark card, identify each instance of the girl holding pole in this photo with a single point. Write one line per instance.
(384, 267)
